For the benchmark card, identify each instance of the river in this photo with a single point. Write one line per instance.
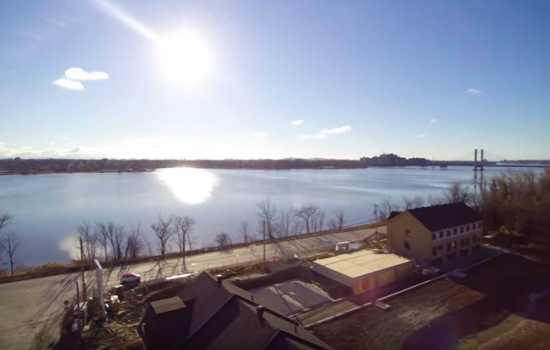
(48, 208)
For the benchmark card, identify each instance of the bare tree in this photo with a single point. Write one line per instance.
(267, 212)
(340, 218)
(306, 212)
(223, 240)
(164, 231)
(413, 202)
(457, 193)
(10, 243)
(385, 209)
(115, 236)
(317, 221)
(6, 220)
(182, 227)
(283, 224)
(134, 244)
(243, 229)
(332, 225)
(102, 235)
(89, 238)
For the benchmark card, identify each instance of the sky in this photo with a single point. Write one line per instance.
(217, 79)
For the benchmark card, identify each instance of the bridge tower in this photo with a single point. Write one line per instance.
(478, 165)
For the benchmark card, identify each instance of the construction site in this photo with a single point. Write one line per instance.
(356, 296)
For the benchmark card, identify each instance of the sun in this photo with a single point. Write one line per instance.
(185, 58)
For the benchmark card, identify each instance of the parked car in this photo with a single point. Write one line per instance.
(129, 277)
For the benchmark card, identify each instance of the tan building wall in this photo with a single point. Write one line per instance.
(406, 229)
(448, 245)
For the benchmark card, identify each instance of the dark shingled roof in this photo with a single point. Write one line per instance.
(393, 214)
(443, 216)
(167, 305)
(223, 316)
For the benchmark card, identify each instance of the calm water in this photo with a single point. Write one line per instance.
(48, 208)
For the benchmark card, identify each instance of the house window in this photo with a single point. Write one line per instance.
(479, 225)
(468, 241)
(453, 245)
(462, 243)
(406, 245)
(448, 233)
(433, 236)
(407, 232)
(449, 246)
(454, 231)
(434, 251)
(461, 229)
(441, 247)
(468, 228)
(441, 234)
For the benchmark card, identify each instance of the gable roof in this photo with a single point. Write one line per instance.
(220, 315)
(443, 216)
(394, 214)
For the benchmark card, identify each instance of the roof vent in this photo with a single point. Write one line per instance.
(260, 311)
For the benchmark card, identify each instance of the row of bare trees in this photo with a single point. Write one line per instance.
(113, 242)
(275, 223)
(110, 241)
(9, 240)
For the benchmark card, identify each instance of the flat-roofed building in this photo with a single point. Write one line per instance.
(365, 270)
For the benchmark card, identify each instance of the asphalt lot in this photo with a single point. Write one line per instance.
(28, 307)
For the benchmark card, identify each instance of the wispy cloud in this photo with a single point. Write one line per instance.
(297, 122)
(421, 136)
(81, 74)
(433, 120)
(73, 76)
(311, 137)
(69, 84)
(260, 134)
(472, 91)
(339, 130)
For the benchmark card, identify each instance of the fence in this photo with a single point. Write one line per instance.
(36, 273)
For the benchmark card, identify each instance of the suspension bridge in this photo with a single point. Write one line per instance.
(486, 160)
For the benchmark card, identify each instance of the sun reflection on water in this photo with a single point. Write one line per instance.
(191, 186)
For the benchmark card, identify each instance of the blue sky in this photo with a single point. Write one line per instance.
(227, 78)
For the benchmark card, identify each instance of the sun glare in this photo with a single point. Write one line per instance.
(185, 57)
(191, 186)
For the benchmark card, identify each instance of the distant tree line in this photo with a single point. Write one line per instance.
(514, 203)
(36, 166)
(393, 160)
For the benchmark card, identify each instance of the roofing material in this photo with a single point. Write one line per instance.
(361, 263)
(443, 216)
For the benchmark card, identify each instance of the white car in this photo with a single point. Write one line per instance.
(129, 277)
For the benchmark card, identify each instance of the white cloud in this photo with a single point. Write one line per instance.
(315, 136)
(339, 130)
(260, 134)
(473, 91)
(69, 84)
(81, 74)
(70, 144)
(433, 121)
(297, 122)
(73, 76)
(421, 136)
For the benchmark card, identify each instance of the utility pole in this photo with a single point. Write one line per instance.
(376, 221)
(82, 269)
(264, 241)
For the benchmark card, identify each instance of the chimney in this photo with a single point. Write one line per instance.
(219, 279)
(260, 311)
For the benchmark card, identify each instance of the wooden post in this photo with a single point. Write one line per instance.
(82, 269)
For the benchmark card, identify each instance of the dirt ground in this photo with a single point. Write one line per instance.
(501, 304)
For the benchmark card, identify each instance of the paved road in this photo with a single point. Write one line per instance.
(27, 307)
